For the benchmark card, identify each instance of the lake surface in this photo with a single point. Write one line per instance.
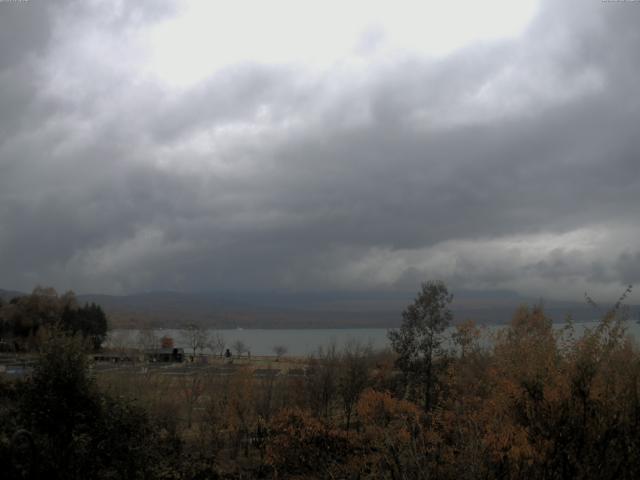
(301, 342)
(298, 342)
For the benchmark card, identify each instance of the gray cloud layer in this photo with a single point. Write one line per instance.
(511, 163)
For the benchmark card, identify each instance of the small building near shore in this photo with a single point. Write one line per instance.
(165, 355)
(115, 357)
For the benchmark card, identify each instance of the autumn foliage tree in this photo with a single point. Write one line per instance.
(166, 342)
(301, 444)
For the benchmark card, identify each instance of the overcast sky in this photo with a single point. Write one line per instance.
(320, 145)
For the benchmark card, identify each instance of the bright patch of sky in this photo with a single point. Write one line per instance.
(208, 35)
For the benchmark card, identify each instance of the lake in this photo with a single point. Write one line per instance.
(298, 342)
(301, 342)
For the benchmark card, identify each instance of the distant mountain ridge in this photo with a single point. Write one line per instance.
(9, 294)
(308, 309)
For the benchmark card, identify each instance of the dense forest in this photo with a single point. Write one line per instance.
(535, 402)
(23, 317)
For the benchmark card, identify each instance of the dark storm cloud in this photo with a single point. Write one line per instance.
(25, 30)
(628, 266)
(263, 176)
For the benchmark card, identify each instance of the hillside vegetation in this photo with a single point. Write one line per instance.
(539, 403)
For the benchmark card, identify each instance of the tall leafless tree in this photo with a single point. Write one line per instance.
(279, 350)
(196, 337)
(354, 376)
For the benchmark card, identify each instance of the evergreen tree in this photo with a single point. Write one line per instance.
(419, 339)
